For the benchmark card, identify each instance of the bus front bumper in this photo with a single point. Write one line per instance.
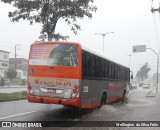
(51, 100)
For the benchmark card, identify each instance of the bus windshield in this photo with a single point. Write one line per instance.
(54, 55)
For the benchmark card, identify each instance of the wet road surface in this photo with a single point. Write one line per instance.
(137, 107)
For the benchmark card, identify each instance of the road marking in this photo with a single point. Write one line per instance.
(17, 115)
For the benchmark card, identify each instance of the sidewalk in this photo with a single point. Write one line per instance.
(153, 93)
(11, 89)
(13, 86)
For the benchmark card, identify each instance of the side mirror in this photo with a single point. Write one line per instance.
(131, 76)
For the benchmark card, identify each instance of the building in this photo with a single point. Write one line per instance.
(20, 64)
(4, 63)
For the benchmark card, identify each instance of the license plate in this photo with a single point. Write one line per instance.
(51, 90)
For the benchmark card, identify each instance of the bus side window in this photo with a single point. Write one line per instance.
(113, 68)
(123, 74)
(106, 69)
(117, 72)
(97, 67)
(88, 65)
(120, 75)
(93, 66)
(111, 71)
(102, 68)
(83, 64)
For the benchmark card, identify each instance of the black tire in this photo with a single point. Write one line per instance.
(103, 100)
(123, 97)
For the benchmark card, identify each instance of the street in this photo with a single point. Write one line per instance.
(140, 105)
(80, 53)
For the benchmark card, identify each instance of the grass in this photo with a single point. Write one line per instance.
(13, 96)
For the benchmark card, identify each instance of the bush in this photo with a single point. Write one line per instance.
(11, 73)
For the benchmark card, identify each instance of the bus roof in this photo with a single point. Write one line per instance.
(83, 47)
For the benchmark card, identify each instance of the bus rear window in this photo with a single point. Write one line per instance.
(54, 55)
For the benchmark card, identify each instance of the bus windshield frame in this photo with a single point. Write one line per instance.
(57, 54)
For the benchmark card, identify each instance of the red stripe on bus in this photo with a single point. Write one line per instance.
(49, 100)
(91, 105)
(113, 99)
(56, 72)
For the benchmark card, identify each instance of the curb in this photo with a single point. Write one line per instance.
(12, 100)
(151, 94)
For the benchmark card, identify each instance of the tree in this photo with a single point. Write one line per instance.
(48, 12)
(143, 72)
(11, 73)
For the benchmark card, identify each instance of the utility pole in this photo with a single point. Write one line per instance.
(16, 56)
(153, 10)
(157, 66)
(142, 48)
(103, 35)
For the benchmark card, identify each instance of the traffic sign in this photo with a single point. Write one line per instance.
(139, 48)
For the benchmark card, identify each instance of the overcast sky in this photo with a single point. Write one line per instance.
(130, 20)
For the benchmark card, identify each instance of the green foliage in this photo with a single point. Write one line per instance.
(13, 96)
(48, 12)
(11, 73)
(143, 72)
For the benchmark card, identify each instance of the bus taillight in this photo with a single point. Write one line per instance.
(75, 90)
(29, 87)
(76, 86)
(30, 91)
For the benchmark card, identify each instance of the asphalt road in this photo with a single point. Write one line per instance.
(137, 107)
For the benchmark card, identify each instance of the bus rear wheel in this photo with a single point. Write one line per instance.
(103, 100)
(123, 97)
